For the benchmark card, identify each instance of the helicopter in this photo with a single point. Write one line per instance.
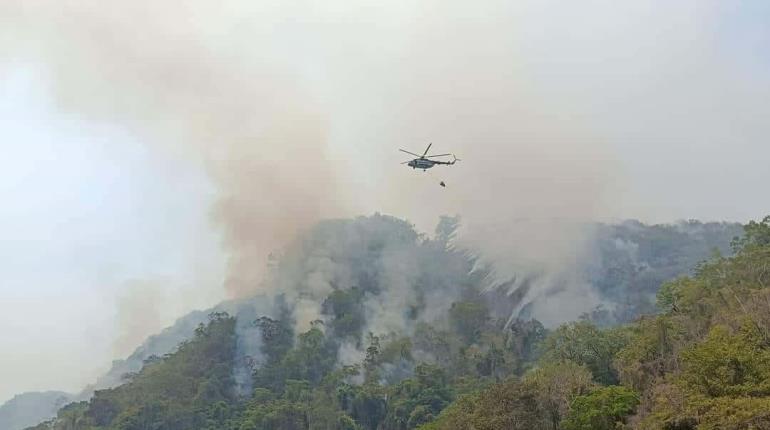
(424, 161)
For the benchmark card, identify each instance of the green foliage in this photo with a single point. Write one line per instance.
(438, 343)
(191, 388)
(604, 409)
(727, 364)
(556, 385)
(505, 406)
(396, 349)
(313, 356)
(650, 353)
(418, 400)
(300, 406)
(525, 337)
(584, 343)
(279, 414)
(676, 409)
(372, 360)
(703, 362)
(345, 307)
(468, 318)
(369, 406)
(277, 338)
(743, 413)
(70, 417)
(755, 234)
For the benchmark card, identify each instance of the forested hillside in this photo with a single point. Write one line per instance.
(630, 261)
(635, 259)
(703, 363)
(374, 326)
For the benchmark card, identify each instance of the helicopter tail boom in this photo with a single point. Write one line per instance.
(448, 163)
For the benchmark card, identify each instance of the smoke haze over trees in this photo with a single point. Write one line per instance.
(373, 298)
(161, 157)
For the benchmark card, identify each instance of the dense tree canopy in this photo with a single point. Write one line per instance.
(702, 361)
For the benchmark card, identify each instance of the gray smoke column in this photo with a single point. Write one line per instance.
(141, 297)
(296, 112)
(155, 69)
(248, 348)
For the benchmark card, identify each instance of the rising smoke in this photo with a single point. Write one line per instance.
(140, 297)
(296, 110)
(250, 124)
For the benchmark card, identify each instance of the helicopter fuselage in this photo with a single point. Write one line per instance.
(425, 162)
(421, 163)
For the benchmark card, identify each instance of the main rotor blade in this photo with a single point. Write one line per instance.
(439, 155)
(427, 149)
(408, 161)
(410, 153)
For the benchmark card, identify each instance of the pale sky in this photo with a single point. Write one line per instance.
(104, 240)
(75, 238)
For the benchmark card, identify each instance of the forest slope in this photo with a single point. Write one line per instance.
(377, 327)
(703, 363)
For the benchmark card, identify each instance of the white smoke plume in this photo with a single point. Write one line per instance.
(295, 111)
(138, 314)
(253, 128)
(256, 92)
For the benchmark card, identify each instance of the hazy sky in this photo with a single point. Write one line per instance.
(655, 110)
(76, 241)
